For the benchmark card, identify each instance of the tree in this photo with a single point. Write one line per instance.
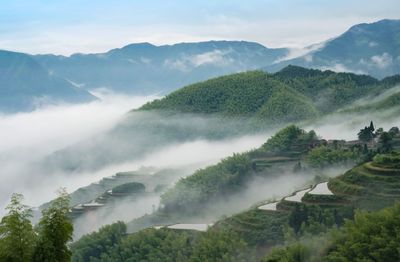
(394, 131)
(385, 141)
(371, 126)
(366, 134)
(378, 132)
(370, 237)
(55, 231)
(17, 237)
(294, 253)
(222, 246)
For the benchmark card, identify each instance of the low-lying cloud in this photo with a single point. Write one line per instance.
(186, 63)
(30, 137)
(27, 137)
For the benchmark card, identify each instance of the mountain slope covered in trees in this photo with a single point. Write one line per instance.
(292, 94)
(307, 227)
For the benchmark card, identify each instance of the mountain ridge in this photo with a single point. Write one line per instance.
(26, 85)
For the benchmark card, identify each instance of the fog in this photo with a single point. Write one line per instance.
(29, 138)
(347, 125)
(75, 145)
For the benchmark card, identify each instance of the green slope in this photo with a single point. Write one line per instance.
(372, 186)
(293, 94)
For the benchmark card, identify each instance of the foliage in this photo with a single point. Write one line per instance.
(316, 219)
(324, 156)
(220, 246)
(17, 237)
(291, 95)
(191, 194)
(205, 184)
(257, 227)
(385, 142)
(293, 253)
(153, 245)
(371, 237)
(55, 231)
(129, 188)
(242, 93)
(388, 160)
(90, 247)
(287, 105)
(111, 244)
(366, 134)
(289, 138)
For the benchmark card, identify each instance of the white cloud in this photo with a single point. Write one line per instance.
(306, 53)
(178, 64)
(372, 44)
(187, 62)
(216, 57)
(382, 61)
(145, 60)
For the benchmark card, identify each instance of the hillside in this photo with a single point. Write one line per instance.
(144, 68)
(227, 107)
(302, 219)
(372, 49)
(25, 85)
(292, 94)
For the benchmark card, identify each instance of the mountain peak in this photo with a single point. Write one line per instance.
(141, 45)
(381, 24)
(298, 71)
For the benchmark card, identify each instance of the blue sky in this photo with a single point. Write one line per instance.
(69, 26)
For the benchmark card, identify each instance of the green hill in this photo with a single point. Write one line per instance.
(250, 234)
(373, 185)
(293, 94)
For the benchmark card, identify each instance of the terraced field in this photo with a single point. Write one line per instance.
(371, 186)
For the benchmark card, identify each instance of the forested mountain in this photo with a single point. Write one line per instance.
(292, 94)
(225, 107)
(310, 224)
(146, 68)
(25, 84)
(372, 49)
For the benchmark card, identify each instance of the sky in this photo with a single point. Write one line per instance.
(90, 26)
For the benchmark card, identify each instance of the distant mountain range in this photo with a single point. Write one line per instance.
(25, 85)
(372, 49)
(144, 68)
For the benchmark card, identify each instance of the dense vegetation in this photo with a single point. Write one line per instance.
(95, 244)
(129, 188)
(193, 193)
(46, 243)
(110, 244)
(290, 95)
(289, 139)
(370, 237)
(325, 156)
(307, 230)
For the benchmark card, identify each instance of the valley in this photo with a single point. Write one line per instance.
(201, 131)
